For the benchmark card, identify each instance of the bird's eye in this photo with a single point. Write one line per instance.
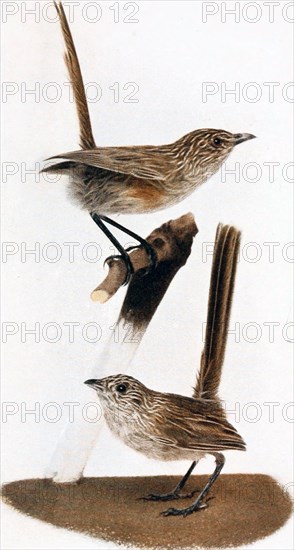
(217, 141)
(121, 388)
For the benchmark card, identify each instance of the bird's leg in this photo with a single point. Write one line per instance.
(123, 254)
(149, 249)
(175, 494)
(198, 504)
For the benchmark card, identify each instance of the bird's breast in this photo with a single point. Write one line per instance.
(138, 434)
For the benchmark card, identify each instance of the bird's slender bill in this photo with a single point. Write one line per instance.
(240, 138)
(93, 383)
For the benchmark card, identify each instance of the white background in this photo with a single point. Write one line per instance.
(168, 53)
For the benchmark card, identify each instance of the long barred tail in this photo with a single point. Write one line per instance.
(222, 280)
(75, 76)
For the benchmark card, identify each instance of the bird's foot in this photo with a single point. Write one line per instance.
(126, 258)
(152, 257)
(129, 266)
(184, 511)
(168, 496)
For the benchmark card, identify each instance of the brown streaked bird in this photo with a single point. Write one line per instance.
(134, 179)
(167, 426)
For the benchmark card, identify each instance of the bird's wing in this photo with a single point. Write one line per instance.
(203, 435)
(141, 162)
(197, 425)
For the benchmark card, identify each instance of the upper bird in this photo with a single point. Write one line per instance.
(134, 179)
(138, 179)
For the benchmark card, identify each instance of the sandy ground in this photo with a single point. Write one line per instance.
(243, 508)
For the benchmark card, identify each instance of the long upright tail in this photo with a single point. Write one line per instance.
(75, 75)
(222, 280)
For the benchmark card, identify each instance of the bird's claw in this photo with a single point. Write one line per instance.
(183, 512)
(168, 496)
(188, 495)
(128, 264)
(134, 247)
(111, 258)
(151, 256)
(162, 498)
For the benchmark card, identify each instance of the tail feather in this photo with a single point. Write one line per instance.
(71, 59)
(223, 273)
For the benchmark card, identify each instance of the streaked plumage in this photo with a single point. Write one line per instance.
(135, 179)
(165, 426)
(168, 426)
(138, 179)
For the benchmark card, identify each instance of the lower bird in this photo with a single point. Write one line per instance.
(134, 179)
(167, 426)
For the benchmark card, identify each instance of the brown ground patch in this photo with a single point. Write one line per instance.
(244, 508)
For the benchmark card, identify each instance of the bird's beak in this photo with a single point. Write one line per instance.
(239, 138)
(95, 384)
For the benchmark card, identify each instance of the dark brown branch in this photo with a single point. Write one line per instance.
(172, 243)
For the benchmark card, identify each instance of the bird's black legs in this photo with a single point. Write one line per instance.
(175, 494)
(123, 253)
(198, 504)
(149, 249)
(118, 246)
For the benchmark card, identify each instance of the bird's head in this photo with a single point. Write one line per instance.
(202, 152)
(119, 392)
